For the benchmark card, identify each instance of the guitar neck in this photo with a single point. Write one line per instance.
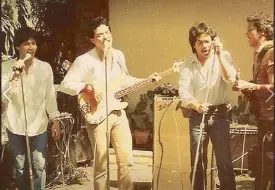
(140, 84)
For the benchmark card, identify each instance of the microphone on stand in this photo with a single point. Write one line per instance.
(17, 70)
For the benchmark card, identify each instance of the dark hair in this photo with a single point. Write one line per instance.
(23, 34)
(263, 22)
(197, 30)
(96, 22)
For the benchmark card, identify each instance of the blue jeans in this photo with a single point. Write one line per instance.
(218, 131)
(38, 145)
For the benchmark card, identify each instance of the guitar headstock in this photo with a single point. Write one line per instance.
(178, 63)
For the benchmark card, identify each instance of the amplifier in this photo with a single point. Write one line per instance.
(80, 148)
(243, 129)
(243, 138)
(171, 147)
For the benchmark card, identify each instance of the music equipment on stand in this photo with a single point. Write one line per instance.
(171, 147)
(59, 155)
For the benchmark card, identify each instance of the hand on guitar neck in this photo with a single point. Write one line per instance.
(155, 78)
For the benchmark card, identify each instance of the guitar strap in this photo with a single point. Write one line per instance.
(260, 57)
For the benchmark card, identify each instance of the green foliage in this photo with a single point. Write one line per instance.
(52, 19)
(15, 14)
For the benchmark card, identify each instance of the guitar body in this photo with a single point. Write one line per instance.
(95, 112)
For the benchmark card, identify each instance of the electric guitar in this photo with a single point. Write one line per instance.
(95, 112)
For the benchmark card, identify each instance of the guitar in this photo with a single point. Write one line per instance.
(95, 112)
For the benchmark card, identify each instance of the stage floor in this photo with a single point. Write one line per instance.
(143, 161)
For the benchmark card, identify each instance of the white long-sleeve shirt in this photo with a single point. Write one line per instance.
(89, 69)
(193, 81)
(39, 95)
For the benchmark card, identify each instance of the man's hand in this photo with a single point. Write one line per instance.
(243, 85)
(19, 64)
(218, 45)
(155, 78)
(203, 108)
(17, 68)
(98, 94)
(56, 130)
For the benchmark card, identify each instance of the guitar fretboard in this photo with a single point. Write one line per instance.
(140, 84)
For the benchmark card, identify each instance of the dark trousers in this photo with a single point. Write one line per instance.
(265, 174)
(38, 147)
(217, 129)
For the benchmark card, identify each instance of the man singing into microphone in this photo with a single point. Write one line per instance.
(31, 96)
(203, 85)
(88, 73)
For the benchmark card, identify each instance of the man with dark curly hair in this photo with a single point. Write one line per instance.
(211, 68)
(260, 37)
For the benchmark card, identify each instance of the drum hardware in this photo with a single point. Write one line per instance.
(65, 172)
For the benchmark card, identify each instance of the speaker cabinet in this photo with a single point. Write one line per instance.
(171, 147)
(243, 138)
(80, 148)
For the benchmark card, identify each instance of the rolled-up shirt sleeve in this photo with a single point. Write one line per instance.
(51, 104)
(185, 87)
(73, 82)
(231, 69)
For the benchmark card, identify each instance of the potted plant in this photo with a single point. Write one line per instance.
(142, 119)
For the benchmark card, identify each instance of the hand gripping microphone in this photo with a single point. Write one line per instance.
(16, 70)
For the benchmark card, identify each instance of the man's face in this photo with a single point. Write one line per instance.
(203, 46)
(28, 46)
(253, 35)
(102, 37)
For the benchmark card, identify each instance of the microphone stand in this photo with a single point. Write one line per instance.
(107, 120)
(27, 137)
(199, 146)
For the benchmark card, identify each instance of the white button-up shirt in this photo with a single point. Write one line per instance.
(89, 69)
(39, 95)
(194, 78)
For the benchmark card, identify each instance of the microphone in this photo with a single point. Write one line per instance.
(214, 46)
(16, 70)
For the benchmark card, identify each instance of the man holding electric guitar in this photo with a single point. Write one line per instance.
(260, 34)
(100, 78)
